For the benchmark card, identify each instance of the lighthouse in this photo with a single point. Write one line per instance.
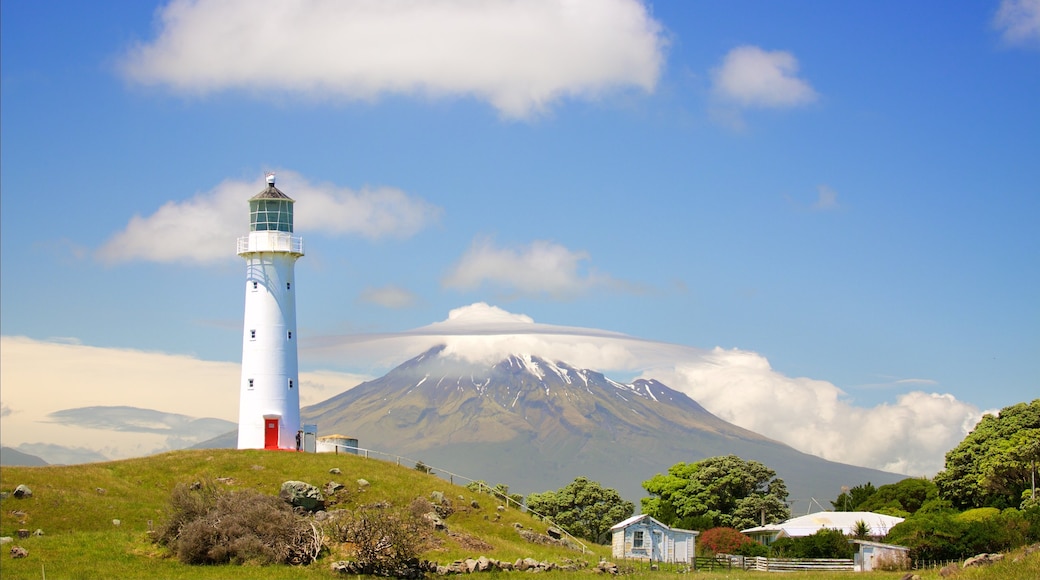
(269, 401)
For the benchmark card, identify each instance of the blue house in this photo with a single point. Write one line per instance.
(641, 537)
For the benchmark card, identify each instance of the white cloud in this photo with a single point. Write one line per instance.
(752, 77)
(519, 56)
(910, 435)
(1019, 22)
(204, 228)
(541, 268)
(388, 297)
(43, 378)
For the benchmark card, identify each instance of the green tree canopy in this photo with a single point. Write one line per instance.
(850, 500)
(902, 498)
(995, 463)
(584, 508)
(724, 491)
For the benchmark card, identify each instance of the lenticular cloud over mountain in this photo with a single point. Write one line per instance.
(909, 435)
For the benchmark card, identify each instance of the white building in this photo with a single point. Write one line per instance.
(641, 537)
(807, 525)
(269, 402)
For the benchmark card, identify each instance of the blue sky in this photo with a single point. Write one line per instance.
(844, 193)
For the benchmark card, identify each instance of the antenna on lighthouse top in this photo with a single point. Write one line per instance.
(270, 177)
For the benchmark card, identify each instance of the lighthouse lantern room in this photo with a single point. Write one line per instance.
(269, 401)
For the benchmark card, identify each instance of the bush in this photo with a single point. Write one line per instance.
(825, 543)
(207, 525)
(722, 541)
(946, 536)
(386, 542)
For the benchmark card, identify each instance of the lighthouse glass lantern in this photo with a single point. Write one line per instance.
(269, 401)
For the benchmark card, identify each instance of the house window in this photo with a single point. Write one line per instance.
(290, 383)
(637, 539)
(290, 335)
(252, 334)
(250, 383)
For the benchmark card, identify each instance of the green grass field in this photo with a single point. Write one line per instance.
(76, 507)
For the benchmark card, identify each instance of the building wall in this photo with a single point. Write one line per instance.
(270, 382)
(658, 543)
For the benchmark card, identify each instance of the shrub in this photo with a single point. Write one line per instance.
(207, 525)
(386, 542)
(722, 541)
(944, 536)
(825, 543)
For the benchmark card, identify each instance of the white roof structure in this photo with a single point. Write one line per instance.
(880, 524)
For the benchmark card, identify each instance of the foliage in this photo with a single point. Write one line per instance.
(993, 465)
(861, 530)
(584, 508)
(208, 525)
(385, 541)
(902, 498)
(825, 543)
(728, 541)
(420, 466)
(949, 535)
(500, 491)
(719, 491)
(849, 501)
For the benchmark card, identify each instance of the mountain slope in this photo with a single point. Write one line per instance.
(12, 456)
(535, 425)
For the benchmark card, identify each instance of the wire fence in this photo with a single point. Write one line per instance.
(452, 478)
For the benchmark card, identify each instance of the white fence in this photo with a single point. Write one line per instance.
(791, 564)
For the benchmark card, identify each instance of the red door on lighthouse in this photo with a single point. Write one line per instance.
(270, 433)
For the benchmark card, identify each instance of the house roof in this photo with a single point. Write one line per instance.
(808, 525)
(628, 522)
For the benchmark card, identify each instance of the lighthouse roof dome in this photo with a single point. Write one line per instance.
(271, 192)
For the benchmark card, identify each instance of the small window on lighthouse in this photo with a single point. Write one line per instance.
(254, 285)
(252, 334)
(290, 335)
(290, 383)
(288, 285)
(250, 383)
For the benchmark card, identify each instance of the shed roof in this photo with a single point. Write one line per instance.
(629, 521)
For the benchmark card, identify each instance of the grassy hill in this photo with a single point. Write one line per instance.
(76, 506)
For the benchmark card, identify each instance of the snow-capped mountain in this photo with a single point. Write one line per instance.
(536, 424)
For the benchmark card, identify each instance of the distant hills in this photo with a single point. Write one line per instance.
(535, 425)
(11, 456)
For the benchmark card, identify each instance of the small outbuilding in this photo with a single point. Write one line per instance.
(337, 444)
(877, 556)
(641, 537)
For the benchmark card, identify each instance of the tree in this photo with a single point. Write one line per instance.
(902, 498)
(583, 508)
(850, 500)
(996, 462)
(729, 541)
(722, 491)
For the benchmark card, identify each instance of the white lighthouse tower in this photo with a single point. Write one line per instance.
(269, 403)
